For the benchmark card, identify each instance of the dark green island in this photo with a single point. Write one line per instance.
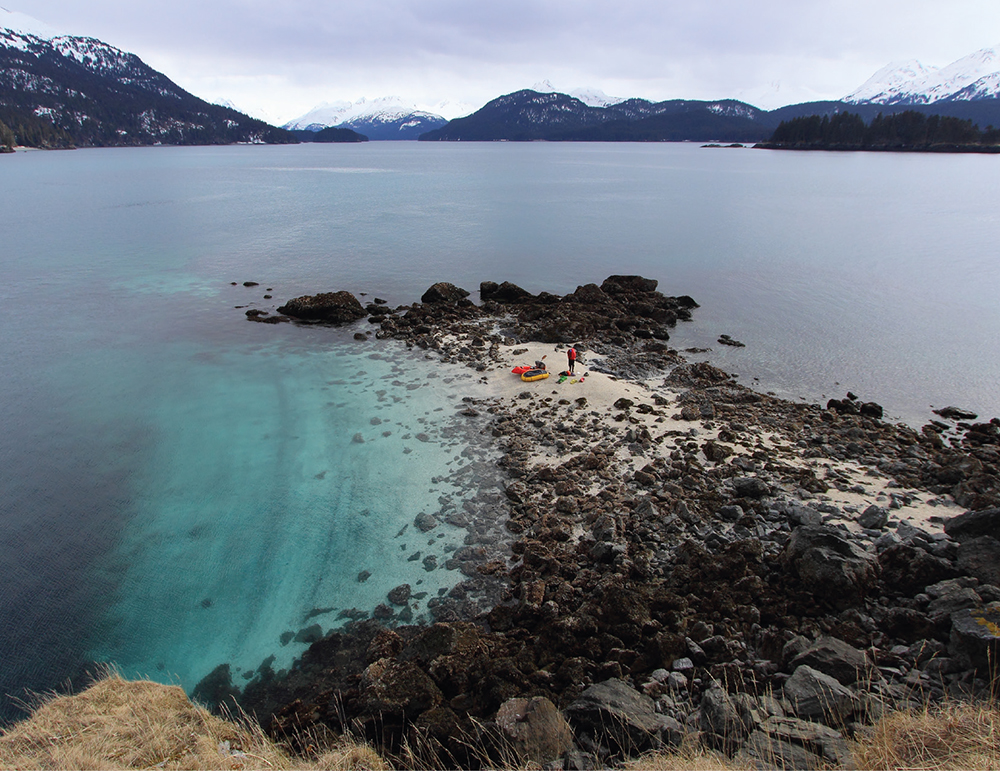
(908, 131)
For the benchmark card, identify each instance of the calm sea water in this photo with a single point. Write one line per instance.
(179, 487)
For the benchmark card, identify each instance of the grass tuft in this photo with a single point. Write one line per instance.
(953, 735)
(121, 724)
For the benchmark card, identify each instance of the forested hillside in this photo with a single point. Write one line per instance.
(903, 131)
(75, 91)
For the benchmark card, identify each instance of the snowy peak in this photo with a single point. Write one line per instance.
(21, 23)
(31, 37)
(890, 80)
(384, 109)
(450, 110)
(967, 73)
(66, 90)
(972, 77)
(592, 97)
(388, 117)
(321, 116)
(985, 88)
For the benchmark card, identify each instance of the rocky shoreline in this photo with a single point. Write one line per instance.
(673, 554)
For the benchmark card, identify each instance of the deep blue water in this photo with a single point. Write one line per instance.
(178, 486)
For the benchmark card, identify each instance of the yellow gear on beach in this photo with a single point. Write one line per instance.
(534, 374)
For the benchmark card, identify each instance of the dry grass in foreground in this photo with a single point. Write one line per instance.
(955, 735)
(949, 736)
(120, 724)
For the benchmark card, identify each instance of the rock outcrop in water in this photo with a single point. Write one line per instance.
(665, 581)
(332, 307)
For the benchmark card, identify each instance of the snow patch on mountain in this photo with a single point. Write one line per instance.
(592, 97)
(890, 81)
(26, 25)
(386, 109)
(984, 88)
(94, 55)
(733, 110)
(450, 110)
(972, 77)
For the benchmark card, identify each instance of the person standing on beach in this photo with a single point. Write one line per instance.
(571, 358)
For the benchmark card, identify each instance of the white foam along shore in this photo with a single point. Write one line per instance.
(853, 488)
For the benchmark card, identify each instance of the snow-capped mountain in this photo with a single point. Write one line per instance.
(450, 110)
(592, 97)
(388, 117)
(973, 77)
(535, 115)
(62, 90)
(890, 81)
(12, 21)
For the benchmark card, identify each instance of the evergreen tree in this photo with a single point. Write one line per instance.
(7, 140)
(908, 130)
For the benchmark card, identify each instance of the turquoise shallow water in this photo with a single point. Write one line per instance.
(179, 487)
(271, 480)
(220, 497)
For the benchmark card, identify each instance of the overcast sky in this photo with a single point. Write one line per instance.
(279, 58)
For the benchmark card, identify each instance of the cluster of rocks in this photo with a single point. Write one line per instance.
(624, 315)
(664, 584)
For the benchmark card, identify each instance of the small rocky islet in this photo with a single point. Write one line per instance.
(696, 558)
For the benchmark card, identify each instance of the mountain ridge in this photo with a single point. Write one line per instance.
(75, 91)
(60, 90)
(384, 118)
(972, 77)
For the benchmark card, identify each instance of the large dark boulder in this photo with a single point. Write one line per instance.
(443, 292)
(908, 569)
(835, 658)
(334, 307)
(750, 487)
(622, 719)
(534, 729)
(973, 524)
(980, 557)
(503, 293)
(956, 413)
(815, 696)
(786, 742)
(628, 285)
(830, 565)
(396, 689)
(588, 294)
(975, 638)
(727, 719)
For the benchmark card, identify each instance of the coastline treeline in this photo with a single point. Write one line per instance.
(904, 131)
(6, 139)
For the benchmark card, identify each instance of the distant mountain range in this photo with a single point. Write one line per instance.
(972, 78)
(530, 115)
(968, 89)
(65, 90)
(385, 118)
